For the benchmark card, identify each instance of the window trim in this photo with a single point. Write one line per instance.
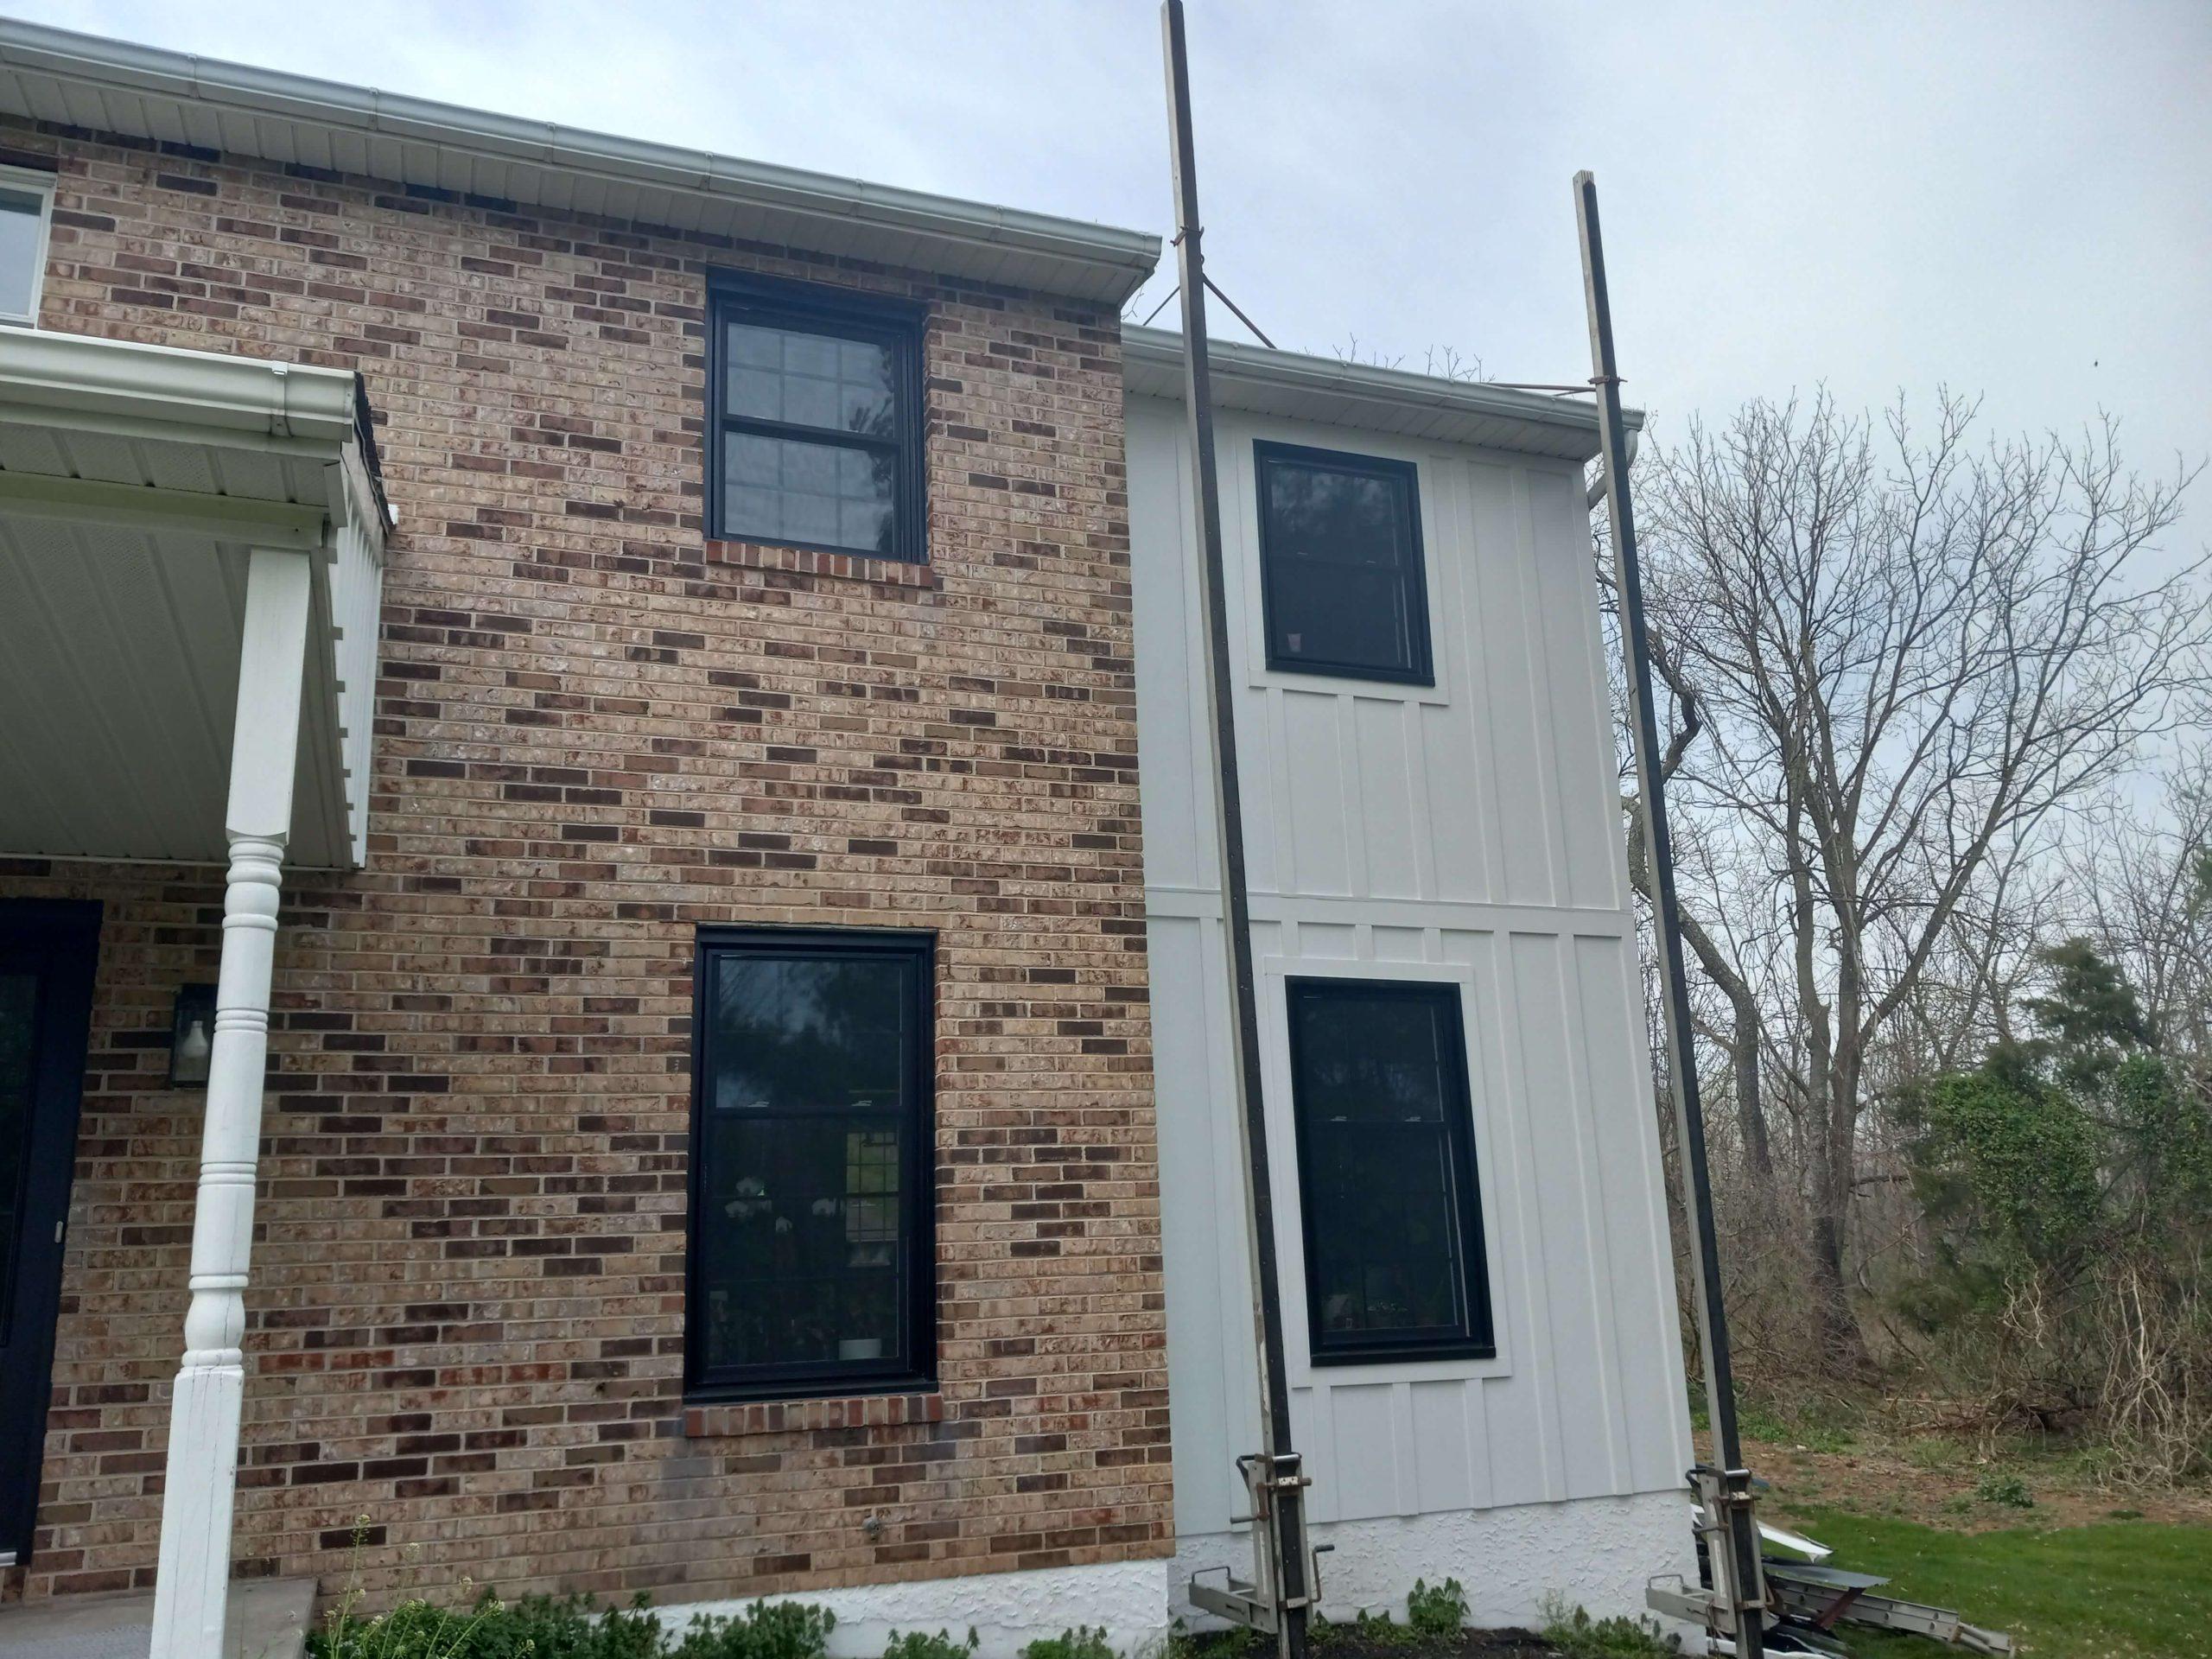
(1478, 1338)
(32, 181)
(915, 1369)
(897, 325)
(1268, 453)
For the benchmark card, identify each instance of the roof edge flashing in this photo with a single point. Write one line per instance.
(1234, 363)
(1127, 257)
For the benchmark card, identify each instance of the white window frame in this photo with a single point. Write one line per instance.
(1476, 1015)
(41, 185)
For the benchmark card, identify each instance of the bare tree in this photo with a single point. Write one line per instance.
(2142, 885)
(1889, 660)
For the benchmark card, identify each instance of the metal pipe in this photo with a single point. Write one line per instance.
(1604, 481)
(1284, 1488)
(1726, 1493)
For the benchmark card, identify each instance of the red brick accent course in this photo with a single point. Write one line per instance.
(812, 561)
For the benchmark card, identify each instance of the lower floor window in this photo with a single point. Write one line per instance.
(812, 1263)
(1393, 1216)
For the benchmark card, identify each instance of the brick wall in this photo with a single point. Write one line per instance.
(595, 732)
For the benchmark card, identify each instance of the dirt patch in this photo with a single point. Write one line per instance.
(1940, 1482)
(1378, 1641)
(1346, 1641)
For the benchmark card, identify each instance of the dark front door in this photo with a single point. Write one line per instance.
(47, 952)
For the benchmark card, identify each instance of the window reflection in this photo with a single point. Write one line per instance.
(1392, 1217)
(810, 1251)
(1340, 564)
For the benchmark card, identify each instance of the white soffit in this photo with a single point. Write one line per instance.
(106, 85)
(1259, 380)
(133, 481)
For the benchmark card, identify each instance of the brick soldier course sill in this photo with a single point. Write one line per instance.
(784, 1416)
(810, 561)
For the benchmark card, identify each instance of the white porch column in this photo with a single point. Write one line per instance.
(191, 1594)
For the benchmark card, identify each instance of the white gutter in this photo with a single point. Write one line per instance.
(119, 377)
(1152, 355)
(133, 70)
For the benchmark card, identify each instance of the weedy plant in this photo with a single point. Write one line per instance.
(1572, 1630)
(2003, 1486)
(915, 1644)
(1436, 1609)
(1078, 1643)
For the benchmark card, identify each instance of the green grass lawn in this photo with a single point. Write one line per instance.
(2125, 1590)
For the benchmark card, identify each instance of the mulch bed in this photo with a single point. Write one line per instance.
(1385, 1642)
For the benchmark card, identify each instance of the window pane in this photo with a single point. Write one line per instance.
(782, 490)
(1338, 615)
(1337, 518)
(1388, 1257)
(802, 1241)
(809, 379)
(1341, 564)
(799, 1034)
(1383, 1117)
(1370, 1060)
(21, 213)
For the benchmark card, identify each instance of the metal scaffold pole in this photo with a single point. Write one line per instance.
(1735, 1605)
(1281, 1591)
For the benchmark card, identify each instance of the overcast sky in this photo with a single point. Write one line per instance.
(2012, 197)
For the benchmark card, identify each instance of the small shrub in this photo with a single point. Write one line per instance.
(1436, 1610)
(1078, 1643)
(1235, 1643)
(915, 1644)
(767, 1630)
(573, 1627)
(2003, 1486)
(1575, 1634)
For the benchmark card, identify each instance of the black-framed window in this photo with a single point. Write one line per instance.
(1386, 1168)
(812, 1265)
(1340, 564)
(814, 418)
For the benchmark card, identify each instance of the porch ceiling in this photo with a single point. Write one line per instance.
(134, 482)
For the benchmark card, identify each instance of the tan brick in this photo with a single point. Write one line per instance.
(594, 731)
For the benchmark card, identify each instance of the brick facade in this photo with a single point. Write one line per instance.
(596, 731)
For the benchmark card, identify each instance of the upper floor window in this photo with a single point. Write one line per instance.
(26, 206)
(1340, 564)
(812, 1270)
(1386, 1163)
(814, 419)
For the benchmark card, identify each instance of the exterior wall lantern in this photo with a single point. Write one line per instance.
(192, 1036)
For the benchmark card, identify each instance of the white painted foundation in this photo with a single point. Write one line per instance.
(1595, 1552)
(1006, 1611)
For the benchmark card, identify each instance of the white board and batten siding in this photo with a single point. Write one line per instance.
(1467, 833)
